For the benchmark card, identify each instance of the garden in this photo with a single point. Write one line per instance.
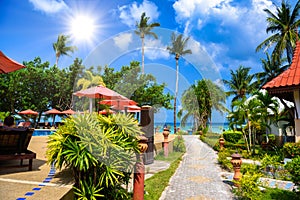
(268, 172)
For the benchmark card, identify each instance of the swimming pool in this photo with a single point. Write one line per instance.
(42, 132)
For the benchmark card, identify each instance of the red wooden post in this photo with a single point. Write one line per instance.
(139, 171)
(166, 133)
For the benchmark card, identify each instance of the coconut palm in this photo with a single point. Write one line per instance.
(272, 68)
(61, 48)
(143, 29)
(284, 26)
(241, 83)
(178, 49)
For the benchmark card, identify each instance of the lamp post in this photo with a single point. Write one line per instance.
(166, 133)
(236, 162)
(221, 142)
(139, 170)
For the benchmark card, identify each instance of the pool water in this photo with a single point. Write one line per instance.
(42, 132)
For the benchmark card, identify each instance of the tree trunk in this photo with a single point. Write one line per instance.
(143, 56)
(176, 91)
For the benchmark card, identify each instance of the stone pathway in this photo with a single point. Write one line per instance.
(198, 177)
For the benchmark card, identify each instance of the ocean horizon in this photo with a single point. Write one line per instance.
(216, 127)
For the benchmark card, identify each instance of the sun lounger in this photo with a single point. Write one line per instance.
(13, 145)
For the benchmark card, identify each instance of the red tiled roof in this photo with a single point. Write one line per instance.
(290, 77)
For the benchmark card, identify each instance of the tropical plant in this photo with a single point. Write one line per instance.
(99, 150)
(142, 88)
(294, 168)
(143, 29)
(61, 47)
(241, 83)
(284, 24)
(198, 102)
(271, 69)
(89, 80)
(178, 48)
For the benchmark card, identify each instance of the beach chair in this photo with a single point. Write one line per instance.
(13, 145)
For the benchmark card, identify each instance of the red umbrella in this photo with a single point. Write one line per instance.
(28, 112)
(99, 92)
(104, 112)
(69, 112)
(119, 104)
(8, 65)
(53, 112)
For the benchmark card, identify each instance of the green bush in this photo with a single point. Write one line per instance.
(291, 149)
(271, 138)
(223, 161)
(248, 186)
(99, 151)
(232, 136)
(294, 168)
(178, 145)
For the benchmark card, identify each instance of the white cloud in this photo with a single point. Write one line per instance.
(49, 6)
(155, 49)
(123, 40)
(130, 14)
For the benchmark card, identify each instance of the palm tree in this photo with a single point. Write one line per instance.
(198, 102)
(61, 48)
(272, 68)
(178, 49)
(143, 29)
(241, 83)
(284, 24)
(89, 80)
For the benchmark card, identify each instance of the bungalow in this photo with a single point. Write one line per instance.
(287, 86)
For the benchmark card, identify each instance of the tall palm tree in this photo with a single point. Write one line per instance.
(178, 49)
(241, 83)
(61, 48)
(284, 26)
(271, 69)
(143, 29)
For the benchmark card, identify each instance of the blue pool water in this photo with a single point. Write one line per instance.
(42, 132)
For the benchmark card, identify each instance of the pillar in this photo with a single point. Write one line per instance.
(139, 170)
(166, 133)
(236, 162)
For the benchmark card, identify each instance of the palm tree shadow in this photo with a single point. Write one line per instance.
(65, 177)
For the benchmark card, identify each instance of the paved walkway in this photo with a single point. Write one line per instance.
(198, 176)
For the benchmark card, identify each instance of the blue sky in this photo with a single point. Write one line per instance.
(223, 35)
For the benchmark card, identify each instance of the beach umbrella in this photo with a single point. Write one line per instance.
(118, 104)
(8, 65)
(53, 112)
(28, 112)
(100, 92)
(69, 112)
(104, 112)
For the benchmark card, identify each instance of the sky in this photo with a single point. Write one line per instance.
(223, 34)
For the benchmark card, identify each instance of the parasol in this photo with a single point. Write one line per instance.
(99, 91)
(8, 65)
(28, 112)
(69, 112)
(53, 112)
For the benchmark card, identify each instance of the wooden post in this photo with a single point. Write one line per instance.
(139, 170)
(166, 133)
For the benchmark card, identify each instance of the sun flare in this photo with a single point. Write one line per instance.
(82, 28)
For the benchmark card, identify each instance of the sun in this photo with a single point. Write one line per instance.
(82, 28)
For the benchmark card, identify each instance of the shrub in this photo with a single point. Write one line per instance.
(291, 149)
(99, 151)
(232, 136)
(294, 168)
(271, 165)
(223, 161)
(248, 186)
(178, 145)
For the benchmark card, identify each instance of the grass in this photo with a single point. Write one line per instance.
(273, 193)
(155, 185)
(211, 138)
(171, 157)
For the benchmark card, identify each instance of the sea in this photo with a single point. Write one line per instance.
(214, 127)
